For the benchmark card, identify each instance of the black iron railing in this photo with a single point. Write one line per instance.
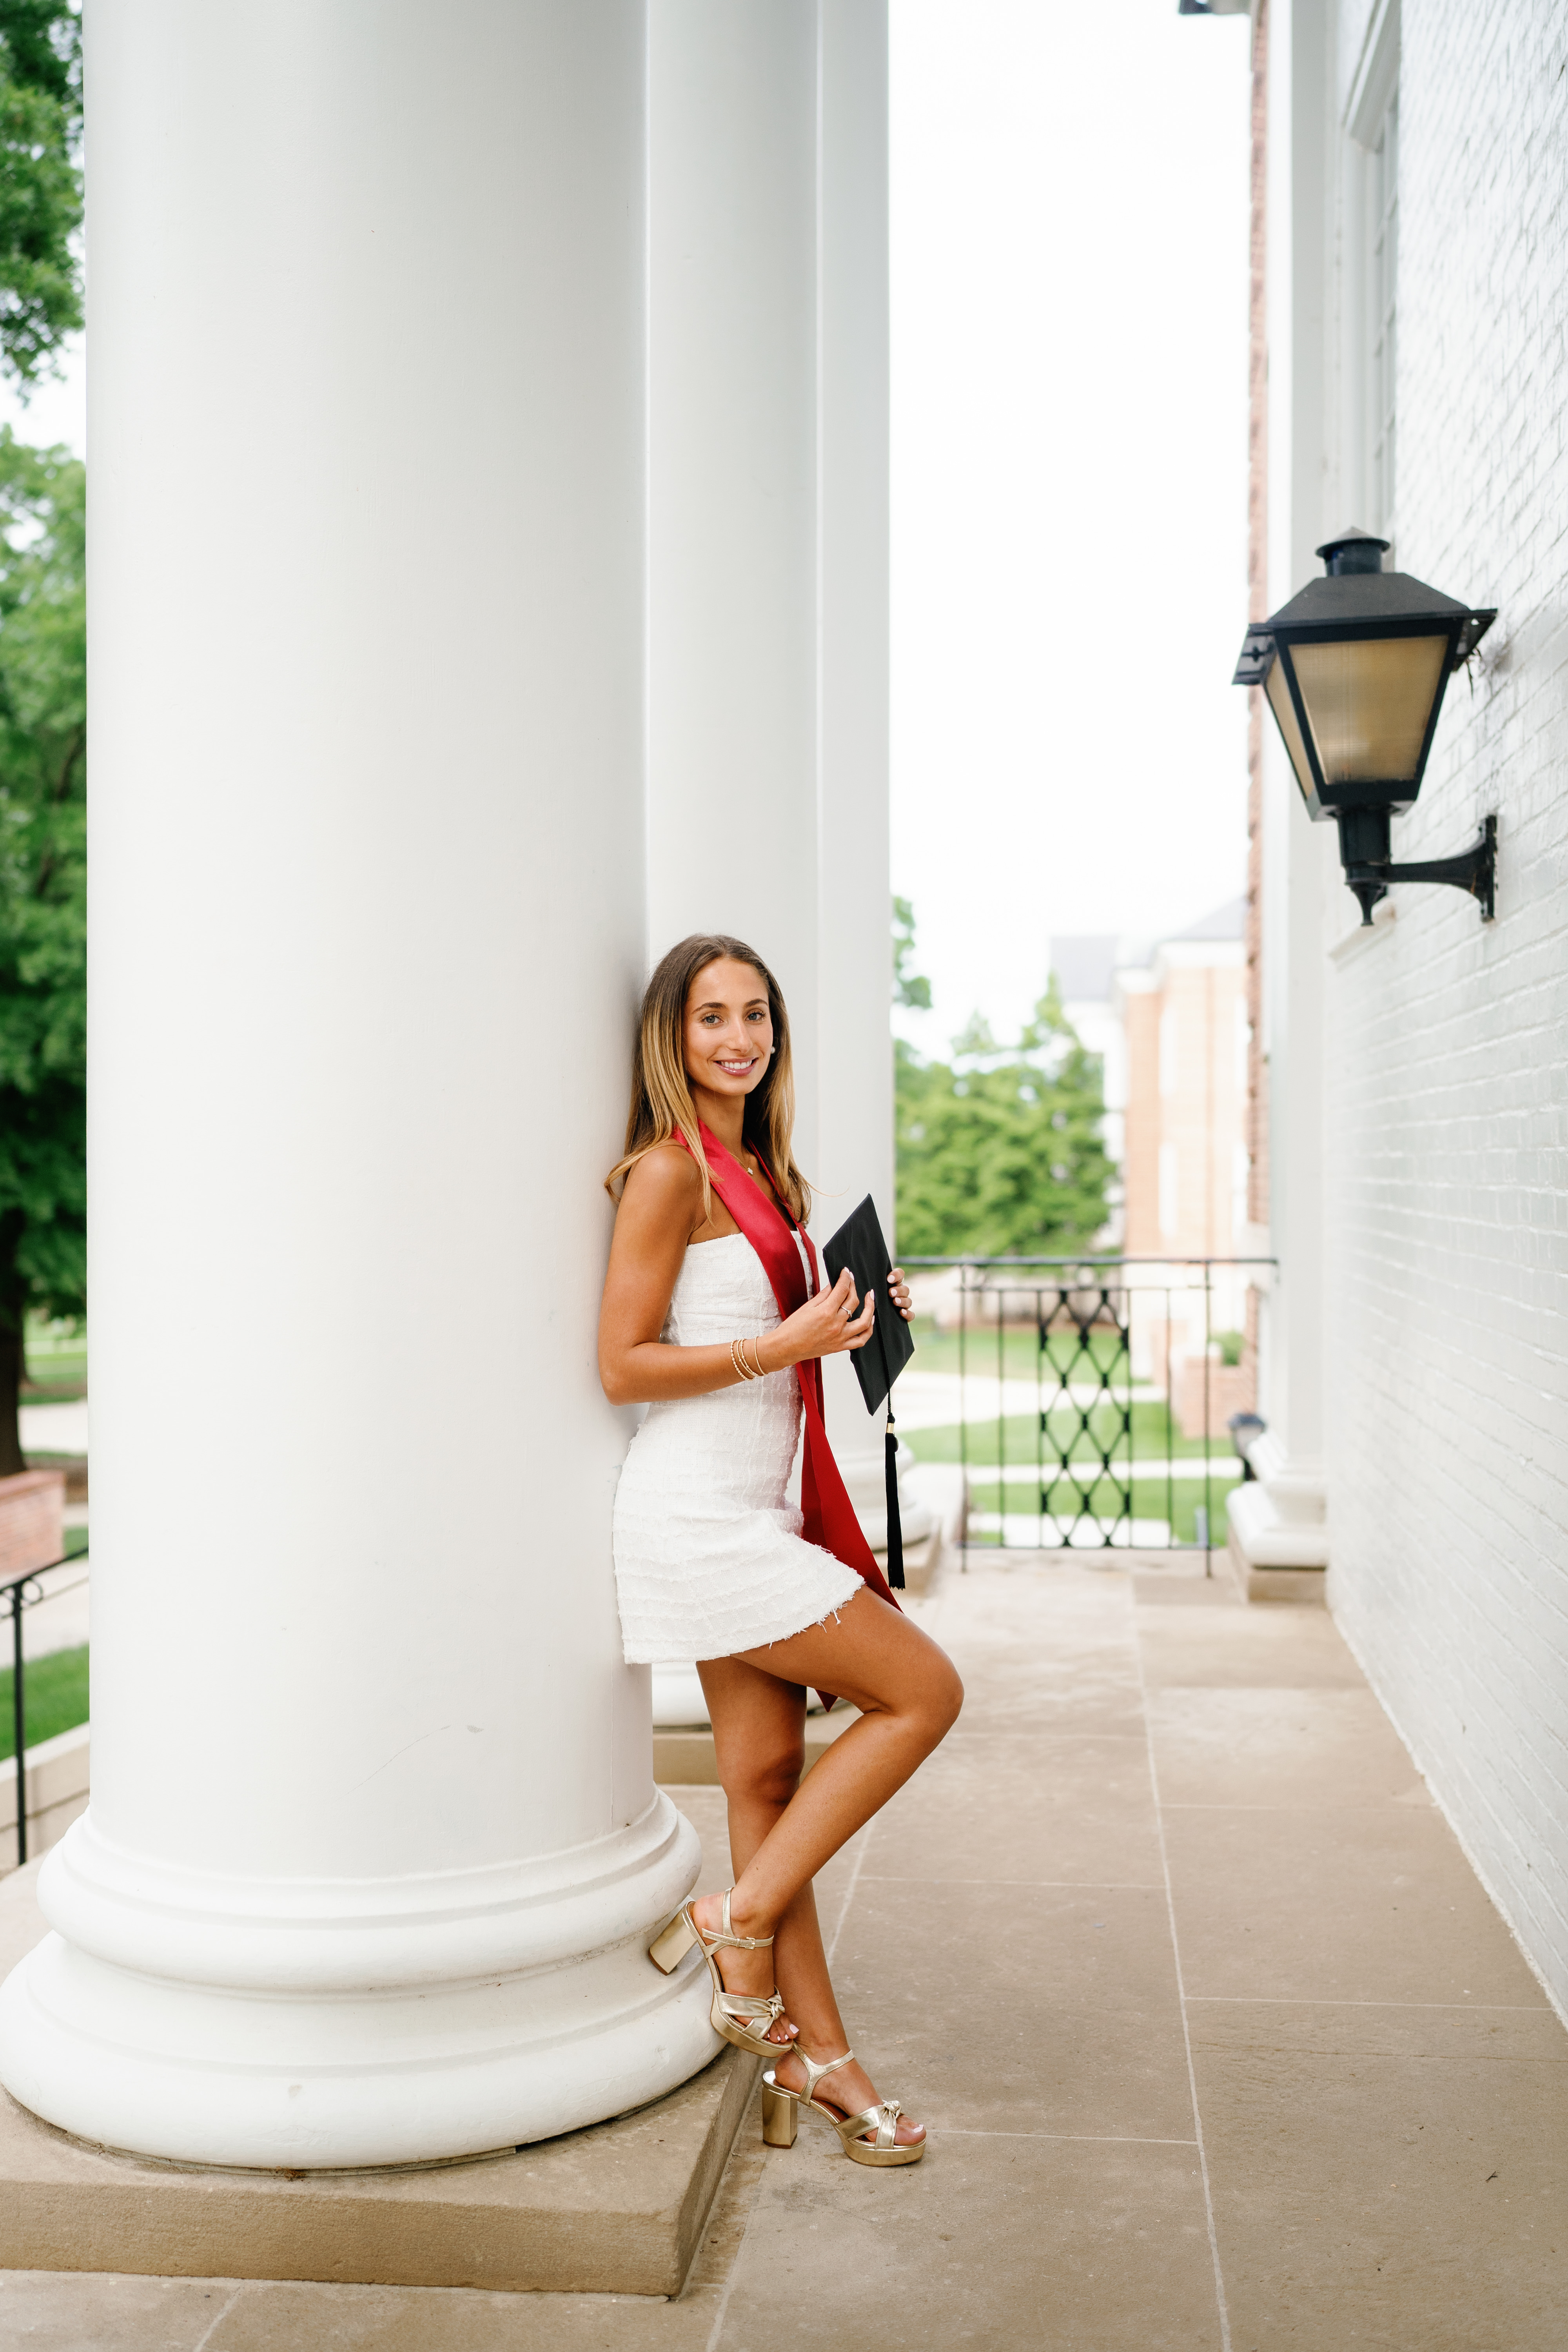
(22, 1593)
(1072, 1380)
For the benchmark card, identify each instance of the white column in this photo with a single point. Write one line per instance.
(1279, 1523)
(768, 554)
(854, 1061)
(373, 1849)
(733, 823)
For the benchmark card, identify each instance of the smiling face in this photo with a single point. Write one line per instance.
(728, 1030)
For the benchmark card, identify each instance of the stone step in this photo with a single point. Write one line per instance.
(618, 2209)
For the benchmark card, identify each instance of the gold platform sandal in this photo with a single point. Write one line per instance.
(780, 2116)
(742, 2017)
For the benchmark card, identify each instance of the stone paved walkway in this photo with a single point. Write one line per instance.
(1221, 2046)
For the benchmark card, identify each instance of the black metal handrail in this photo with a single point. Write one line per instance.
(1084, 1456)
(19, 1597)
(1165, 1258)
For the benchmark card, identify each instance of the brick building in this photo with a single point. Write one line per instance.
(1409, 373)
(1184, 1014)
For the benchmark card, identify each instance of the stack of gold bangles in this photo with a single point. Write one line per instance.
(748, 1371)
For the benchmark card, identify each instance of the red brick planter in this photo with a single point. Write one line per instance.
(1232, 1389)
(31, 1533)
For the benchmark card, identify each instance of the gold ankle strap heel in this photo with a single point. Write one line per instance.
(741, 2018)
(869, 2137)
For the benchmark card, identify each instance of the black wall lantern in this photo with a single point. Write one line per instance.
(1354, 669)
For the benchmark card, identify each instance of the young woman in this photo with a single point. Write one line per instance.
(713, 1318)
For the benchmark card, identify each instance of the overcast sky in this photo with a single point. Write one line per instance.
(1069, 450)
(57, 411)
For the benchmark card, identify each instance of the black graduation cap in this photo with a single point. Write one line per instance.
(858, 1244)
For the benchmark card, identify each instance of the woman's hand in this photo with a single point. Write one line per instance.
(901, 1290)
(825, 1325)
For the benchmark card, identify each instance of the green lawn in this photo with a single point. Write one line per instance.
(1149, 1502)
(1152, 1436)
(56, 1362)
(56, 1693)
(937, 1351)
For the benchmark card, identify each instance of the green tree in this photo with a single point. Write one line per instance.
(40, 183)
(910, 988)
(1000, 1153)
(43, 903)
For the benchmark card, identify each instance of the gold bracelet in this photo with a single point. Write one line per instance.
(756, 1348)
(738, 1358)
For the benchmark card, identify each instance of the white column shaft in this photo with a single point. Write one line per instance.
(767, 652)
(1278, 1521)
(368, 609)
(733, 819)
(1295, 851)
(854, 1047)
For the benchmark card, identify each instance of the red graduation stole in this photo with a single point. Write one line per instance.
(828, 1513)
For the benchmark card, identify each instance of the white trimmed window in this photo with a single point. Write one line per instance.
(1240, 1175)
(1170, 1207)
(1170, 1068)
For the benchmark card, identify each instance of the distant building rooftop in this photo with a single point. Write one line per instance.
(1226, 922)
(1085, 967)
(1086, 964)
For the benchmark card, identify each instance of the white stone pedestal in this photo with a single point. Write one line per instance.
(1278, 1539)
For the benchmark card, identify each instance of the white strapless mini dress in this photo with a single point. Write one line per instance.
(709, 1559)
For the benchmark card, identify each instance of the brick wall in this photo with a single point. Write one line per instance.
(1447, 1060)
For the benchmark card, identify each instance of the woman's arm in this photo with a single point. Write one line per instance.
(661, 1205)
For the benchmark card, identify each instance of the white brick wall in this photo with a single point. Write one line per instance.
(1446, 1075)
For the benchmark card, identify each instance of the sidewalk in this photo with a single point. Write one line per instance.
(1222, 2046)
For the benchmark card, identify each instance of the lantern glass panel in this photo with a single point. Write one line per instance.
(1368, 702)
(1277, 688)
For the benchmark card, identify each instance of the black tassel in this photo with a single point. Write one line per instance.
(895, 1525)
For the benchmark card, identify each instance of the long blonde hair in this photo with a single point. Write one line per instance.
(662, 1105)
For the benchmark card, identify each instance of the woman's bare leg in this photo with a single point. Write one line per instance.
(758, 1739)
(909, 1695)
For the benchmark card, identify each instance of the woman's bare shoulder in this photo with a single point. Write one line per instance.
(664, 1183)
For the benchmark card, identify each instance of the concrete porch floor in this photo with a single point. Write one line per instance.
(1222, 2046)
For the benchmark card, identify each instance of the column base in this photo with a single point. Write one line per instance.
(1278, 1540)
(617, 2210)
(304, 2026)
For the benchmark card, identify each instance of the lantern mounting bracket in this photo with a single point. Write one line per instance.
(1369, 875)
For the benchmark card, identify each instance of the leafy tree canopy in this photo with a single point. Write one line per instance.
(1000, 1153)
(40, 183)
(43, 900)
